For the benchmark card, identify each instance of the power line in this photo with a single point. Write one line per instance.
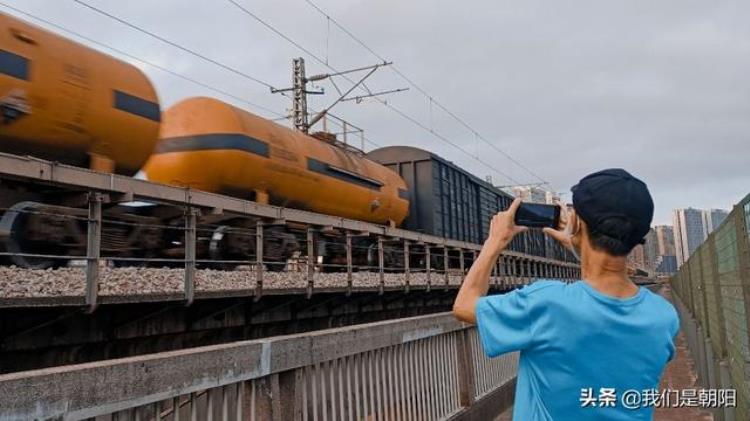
(174, 44)
(424, 92)
(254, 79)
(445, 139)
(196, 54)
(141, 60)
(278, 115)
(274, 30)
(386, 104)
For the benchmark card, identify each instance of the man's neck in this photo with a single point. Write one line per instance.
(607, 274)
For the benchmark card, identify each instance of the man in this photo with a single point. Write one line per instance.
(584, 346)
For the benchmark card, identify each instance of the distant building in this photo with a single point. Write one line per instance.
(530, 194)
(712, 218)
(637, 257)
(692, 227)
(552, 198)
(688, 232)
(665, 240)
(651, 249)
(666, 261)
(666, 265)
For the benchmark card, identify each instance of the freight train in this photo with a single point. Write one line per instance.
(65, 102)
(448, 201)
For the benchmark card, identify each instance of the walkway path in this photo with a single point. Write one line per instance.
(680, 374)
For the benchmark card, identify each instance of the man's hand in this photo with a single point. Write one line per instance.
(476, 283)
(503, 228)
(560, 234)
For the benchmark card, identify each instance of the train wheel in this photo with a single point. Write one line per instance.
(30, 233)
(275, 266)
(221, 247)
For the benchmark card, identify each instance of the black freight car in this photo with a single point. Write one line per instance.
(448, 201)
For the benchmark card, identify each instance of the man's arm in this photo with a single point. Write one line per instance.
(476, 283)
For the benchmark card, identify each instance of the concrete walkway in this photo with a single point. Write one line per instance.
(680, 374)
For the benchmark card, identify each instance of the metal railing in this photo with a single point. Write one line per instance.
(712, 294)
(511, 269)
(421, 368)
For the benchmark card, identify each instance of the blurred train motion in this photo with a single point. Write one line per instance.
(65, 102)
(240, 154)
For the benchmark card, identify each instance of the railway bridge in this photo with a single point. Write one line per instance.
(104, 337)
(107, 337)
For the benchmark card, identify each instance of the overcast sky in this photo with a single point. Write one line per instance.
(661, 88)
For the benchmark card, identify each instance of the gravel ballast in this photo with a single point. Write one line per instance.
(18, 282)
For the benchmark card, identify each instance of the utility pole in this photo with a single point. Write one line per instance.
(300, 92)
(299, 105)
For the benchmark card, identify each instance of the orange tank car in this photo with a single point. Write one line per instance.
(62, 101)
(210, 145)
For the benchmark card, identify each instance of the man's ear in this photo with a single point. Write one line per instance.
(575, 223)
(578, 229)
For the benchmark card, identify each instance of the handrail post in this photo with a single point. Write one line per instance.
(493, 275)
(258, 260)
(505, 271)
(190, 239)
(474, 254)
(311, 259)
(381, 265)
(349, 276)
(428, 266)
(406, 265)
(461, 263)
(466, 384)
(93, 250)
(526, 269)
(446, 265)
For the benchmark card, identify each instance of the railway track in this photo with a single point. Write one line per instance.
(402, 259)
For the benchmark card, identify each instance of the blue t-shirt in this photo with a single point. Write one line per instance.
(578, 344)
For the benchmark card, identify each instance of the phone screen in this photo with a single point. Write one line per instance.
(538, 215)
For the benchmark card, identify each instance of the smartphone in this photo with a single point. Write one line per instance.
(537, 215)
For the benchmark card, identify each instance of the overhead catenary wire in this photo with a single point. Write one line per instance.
(174, 44)
(141, 60)
(182, 48)
(257, 80)
(429, 96)
(270, 86)
(276, 116)
(386, 104)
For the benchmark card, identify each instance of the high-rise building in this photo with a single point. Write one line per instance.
(712, 218)
(692, 227)
(666, 265)
(665, 262)
(688, 232)
(665, 240)
(552, 198)
(637, 257)
(530, 194)
(651, 249)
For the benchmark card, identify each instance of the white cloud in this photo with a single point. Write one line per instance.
(659, 88)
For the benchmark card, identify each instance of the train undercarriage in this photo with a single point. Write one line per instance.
(41, 231)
